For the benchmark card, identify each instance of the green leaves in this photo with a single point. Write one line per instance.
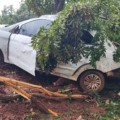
(67, 41)
(10, 15)
(40, 7)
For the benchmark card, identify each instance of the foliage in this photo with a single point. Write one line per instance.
(40, 7)
(112, 111)
(10, 15)
(23, 13)
(111, 108)
(63, 41)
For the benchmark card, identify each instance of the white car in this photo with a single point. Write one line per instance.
(15, 45)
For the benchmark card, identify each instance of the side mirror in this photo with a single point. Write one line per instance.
(15, 30)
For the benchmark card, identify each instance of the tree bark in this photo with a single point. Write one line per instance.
(59, 4)
(6, 98)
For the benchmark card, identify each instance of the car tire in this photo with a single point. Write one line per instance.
(92, 81)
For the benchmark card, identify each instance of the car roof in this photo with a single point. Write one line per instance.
(46, 17)
(49, 17)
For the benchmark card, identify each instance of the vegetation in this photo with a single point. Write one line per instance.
(40, 7)
(29, 9)
(7, 15)
(111, 110)
(10, 15)
(64, 40)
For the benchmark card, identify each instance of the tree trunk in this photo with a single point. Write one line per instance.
(59, 4)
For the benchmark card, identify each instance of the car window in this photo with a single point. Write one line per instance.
(31, 28)
(87, 37)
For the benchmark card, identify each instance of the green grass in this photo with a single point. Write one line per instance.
(112, 110)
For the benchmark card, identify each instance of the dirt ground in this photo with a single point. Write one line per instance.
(67, 109)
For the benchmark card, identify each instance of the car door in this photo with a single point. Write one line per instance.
(21, 53)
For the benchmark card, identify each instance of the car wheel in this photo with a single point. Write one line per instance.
(92, 81)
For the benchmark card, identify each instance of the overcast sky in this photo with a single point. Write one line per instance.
(15, 3)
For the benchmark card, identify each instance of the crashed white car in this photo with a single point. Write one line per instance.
(15, 45)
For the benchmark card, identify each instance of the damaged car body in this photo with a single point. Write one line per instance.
(15, 44)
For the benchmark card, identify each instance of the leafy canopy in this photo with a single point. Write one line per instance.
(40, 7)
(10, 15)
(63, 41)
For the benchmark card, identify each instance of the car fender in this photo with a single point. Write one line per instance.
(80, 70)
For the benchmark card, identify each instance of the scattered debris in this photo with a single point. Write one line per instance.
(18, 86)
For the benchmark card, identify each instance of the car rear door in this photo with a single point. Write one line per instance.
(21, 53)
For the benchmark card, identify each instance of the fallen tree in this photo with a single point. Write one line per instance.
(65, 40)
(18, 87)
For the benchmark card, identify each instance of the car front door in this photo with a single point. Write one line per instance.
(21, 53)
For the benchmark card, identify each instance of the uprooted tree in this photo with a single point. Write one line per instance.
(64, 40)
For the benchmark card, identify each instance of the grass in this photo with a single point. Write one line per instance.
(112, 109)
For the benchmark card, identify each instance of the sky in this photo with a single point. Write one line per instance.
(15, 3)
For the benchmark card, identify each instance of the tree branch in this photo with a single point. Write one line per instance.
(59, 4)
